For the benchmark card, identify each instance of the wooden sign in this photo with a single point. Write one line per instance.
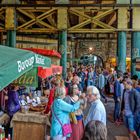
(28, 79)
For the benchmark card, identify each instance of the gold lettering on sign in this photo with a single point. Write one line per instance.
(29, 80)
(24, 80)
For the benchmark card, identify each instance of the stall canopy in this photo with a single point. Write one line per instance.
(46, 72)
(15, 62)
(44, 52)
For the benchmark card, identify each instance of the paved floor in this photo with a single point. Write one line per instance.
(113, 130)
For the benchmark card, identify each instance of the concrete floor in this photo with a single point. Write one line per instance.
(113, 130)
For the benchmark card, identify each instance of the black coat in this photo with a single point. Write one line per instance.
(134, 101)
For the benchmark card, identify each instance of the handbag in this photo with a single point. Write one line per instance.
(66, 128)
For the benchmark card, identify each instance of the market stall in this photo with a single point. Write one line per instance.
(15, 65)
(15, 62)
(55, 59)
(52, 54)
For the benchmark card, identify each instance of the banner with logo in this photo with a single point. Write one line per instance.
(16, 62)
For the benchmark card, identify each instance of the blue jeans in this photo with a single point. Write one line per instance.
(102, 94)
(90, 83)
(117, 111)
(83, 84)
(129, 122)
(80, 87)
(137, 123)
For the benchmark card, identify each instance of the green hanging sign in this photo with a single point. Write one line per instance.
(30, 78)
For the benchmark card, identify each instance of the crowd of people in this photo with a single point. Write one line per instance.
(76, 104)
(84, 96)
(127, 103)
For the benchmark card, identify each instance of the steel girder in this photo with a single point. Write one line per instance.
(45, 19)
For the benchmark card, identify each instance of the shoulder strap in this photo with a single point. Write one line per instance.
(56, 116)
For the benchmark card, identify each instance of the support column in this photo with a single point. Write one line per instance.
(122, 39)
(62, 26)
(122, 51)
(135, 52)
(11, 38)
(135, 40)
(63, 50)
(10, 22)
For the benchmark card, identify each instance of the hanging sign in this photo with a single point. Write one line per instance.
(28, 79)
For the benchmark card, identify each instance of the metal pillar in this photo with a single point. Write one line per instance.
(10, 23)
(63, 50)
(121, 51)
(135, 52)
(135, 36)
(11, 38)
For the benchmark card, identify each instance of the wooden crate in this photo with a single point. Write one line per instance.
(29, 126)
(29, 131)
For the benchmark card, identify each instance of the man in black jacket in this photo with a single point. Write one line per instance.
(131, 107)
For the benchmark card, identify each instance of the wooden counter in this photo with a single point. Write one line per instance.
(29, 126)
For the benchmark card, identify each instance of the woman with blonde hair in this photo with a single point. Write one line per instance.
(60, 114)
(95, 130)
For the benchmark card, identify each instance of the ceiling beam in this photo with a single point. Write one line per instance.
(113, 19)
(70, 5)
(37, 19)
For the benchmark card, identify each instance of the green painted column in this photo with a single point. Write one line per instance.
(11, 38)
(63, 51)
(10, 22)
(135, 52)
(121, 52)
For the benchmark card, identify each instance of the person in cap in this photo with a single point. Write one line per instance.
(130, 107)
(97, 110)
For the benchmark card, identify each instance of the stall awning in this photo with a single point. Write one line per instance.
(15, 62)
(44, 52)
(46, 72)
